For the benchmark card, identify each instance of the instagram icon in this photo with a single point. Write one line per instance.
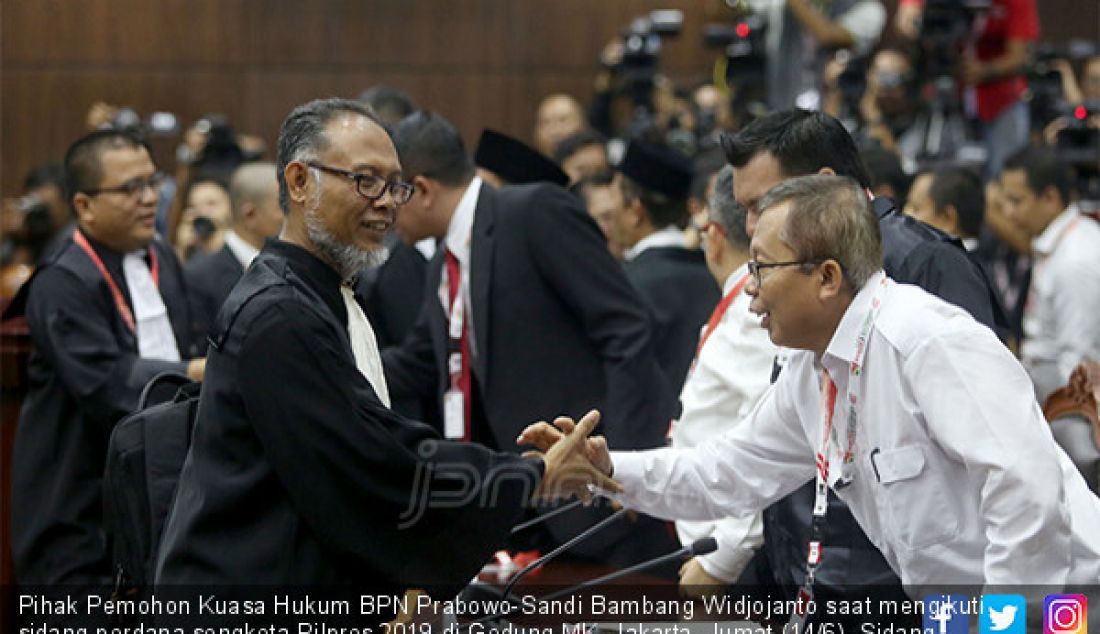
(1065, 614)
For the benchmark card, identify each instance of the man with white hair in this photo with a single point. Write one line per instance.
(911, 411)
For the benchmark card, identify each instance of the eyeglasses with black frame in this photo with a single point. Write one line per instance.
(133, 187)
(370, 186)
(755, 267)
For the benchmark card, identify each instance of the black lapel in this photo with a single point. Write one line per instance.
(481, 265)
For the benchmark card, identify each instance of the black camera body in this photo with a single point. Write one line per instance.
(637, 70)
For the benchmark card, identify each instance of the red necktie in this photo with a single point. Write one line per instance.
(460, 381)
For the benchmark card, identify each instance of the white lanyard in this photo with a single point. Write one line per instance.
(821, 484)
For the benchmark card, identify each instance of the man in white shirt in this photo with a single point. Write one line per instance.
(728, 376)
(1061, 328)
(943, 456)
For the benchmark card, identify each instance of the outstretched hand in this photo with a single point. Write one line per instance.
(573, 460)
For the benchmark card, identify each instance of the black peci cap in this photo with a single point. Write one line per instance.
(515, 161)
(658, 168)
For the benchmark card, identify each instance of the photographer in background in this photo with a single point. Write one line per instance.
(46, 185)
(801, 36)
(992, 67)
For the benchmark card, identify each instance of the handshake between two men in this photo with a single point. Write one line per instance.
(574, 460)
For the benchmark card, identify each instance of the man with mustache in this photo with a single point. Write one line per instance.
(299, 472)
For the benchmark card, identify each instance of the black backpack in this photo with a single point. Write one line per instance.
(144, 460)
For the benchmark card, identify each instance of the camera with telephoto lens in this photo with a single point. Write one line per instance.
(636, 72)
(743, 44)
(945, 26)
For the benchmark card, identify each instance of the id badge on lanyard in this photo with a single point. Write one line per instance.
(454, 401)
(815, 547)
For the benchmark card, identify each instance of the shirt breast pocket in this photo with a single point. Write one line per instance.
(915, 497)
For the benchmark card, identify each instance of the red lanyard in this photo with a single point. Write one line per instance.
(720, 311)
(120, 300)
(821, 481)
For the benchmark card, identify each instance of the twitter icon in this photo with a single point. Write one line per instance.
(1003, 614)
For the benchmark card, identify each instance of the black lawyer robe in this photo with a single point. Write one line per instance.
(85, 374)
(298, 474)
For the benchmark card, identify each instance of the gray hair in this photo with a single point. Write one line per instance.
(251, 183)
(302, 136)
(725, 212)
(830, 219)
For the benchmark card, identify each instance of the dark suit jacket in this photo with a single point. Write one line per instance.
(557, 327)
(209, 280)
(85, 374)
(393, 292)
(914, 253)
(681, 293)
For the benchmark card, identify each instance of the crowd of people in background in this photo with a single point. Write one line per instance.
(983, 165)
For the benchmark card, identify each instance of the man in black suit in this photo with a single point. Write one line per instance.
(254, 194)
(525, 316)
(655, 182)
(798, 142)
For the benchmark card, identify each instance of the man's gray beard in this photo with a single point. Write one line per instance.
(348, 259)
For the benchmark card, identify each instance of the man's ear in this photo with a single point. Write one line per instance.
(425, 189)
(636, 214)
(247, 211)
(952, 215)
(82, 203)
(1052, 196)
(832, 279)
(298, 181)
(827, 171)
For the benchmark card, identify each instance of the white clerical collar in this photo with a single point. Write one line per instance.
(670, 236)
(1046, 241)
(462, 222)
(243, 251)
(847, 331)
(970, 244)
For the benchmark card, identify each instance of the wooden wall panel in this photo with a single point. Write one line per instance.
(479, 62)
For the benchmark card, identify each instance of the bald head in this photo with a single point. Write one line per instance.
(252, 183)
(254, 194)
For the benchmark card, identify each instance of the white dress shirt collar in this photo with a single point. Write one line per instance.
(1046, 241)
(734, 278)
(462, 222)
(243, 251)
(670, 236)
(841, 346)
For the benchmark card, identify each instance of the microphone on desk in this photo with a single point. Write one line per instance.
(546, 516)
(580, 537)
(699, 547)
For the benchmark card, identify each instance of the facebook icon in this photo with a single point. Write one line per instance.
(946, 614)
